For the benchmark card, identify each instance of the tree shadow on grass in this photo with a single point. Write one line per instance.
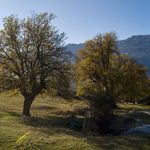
(43, 108)
(9, 114)
(134, 142)
(50, 125)
(14, 114)
(56, 124)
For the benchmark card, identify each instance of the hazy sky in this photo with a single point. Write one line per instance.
(83, 19)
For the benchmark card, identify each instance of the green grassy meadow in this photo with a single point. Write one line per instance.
(49, 128)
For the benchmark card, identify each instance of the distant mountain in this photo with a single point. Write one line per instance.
(74, 47)
(137, 46)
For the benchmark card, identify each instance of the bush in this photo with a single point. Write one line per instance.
(102, 106)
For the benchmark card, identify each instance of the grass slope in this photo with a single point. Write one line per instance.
(49, 129)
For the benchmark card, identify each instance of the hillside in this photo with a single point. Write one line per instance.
(51, 128)
(74, 47)
(137, 46)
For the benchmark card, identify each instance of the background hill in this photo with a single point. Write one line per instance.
(74, 47)
(137, 46)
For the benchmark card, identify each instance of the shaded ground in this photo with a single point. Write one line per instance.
(129, 119)
(51, 128)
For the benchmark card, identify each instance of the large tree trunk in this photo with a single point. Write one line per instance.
(27, 105)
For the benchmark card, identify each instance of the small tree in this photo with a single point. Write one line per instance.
(60, 84)
(31, 50)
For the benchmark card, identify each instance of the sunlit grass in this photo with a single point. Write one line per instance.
(133, 106)
(48, 130)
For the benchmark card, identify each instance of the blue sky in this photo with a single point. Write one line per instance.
(83, 19)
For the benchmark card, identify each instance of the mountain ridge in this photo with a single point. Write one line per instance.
(137, 46)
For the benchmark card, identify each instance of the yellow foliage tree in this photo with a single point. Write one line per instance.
(104, 76)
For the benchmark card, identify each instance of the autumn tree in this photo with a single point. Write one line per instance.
(134, 83)
(94, 64)
(95, 73)
(31, 50)
(105, 76)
